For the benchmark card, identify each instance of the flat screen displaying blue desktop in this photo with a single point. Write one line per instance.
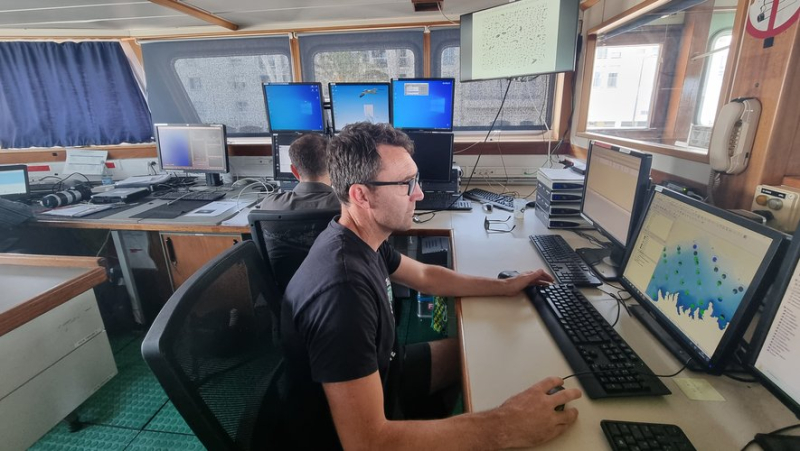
(294, 107)
(193, 148)
(698, 273)
(14, 181)
(423, 104)
(359, 102)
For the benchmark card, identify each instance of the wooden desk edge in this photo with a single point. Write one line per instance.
(53, 297)
(51, 261)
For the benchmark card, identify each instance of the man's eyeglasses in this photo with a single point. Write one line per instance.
(412, 183)
(488, 224)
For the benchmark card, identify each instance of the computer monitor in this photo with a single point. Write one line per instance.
(359, 102)
(520, 38)
(423, 104)
(14, 181)
(698, 273)
(294, 107)
(193, 148)
(433, 153)
(775, 348)
(281, 163)
(614, 192)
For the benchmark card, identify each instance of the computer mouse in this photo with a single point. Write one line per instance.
(487, 208)
(553, 391)
(531, 204)
(507, 274)
(416, 219)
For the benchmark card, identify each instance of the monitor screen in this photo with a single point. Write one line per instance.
(14, 181)
(192, 147)
(294, 107)
(615, 188)
(423, 104)
(530, 37)
(698, 270)
(358, 102)
(281, 162)
(775, 348)
(433, 153)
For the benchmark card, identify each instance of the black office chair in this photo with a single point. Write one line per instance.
(214, 348)
(285, 237)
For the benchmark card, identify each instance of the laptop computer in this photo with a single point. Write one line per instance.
(14, 182)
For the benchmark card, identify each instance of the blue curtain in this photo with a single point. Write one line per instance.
(70, 94)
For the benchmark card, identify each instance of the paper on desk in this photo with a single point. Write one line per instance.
(698, 389)
(212, 209)
(240, 219)
(87, 162)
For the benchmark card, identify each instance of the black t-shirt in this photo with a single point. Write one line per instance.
(336, 325)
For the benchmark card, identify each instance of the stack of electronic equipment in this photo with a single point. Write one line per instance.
(558, 199)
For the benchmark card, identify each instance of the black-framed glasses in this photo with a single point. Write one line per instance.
(412, 183)
(488, 224)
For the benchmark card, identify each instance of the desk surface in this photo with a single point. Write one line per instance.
(506, 347)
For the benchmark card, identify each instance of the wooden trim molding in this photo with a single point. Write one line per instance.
(627, 15)
(22, 156)
(196, 12)
(51, 260)
(647, 147)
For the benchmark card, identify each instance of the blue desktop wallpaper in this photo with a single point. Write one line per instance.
(349, 103)
(701, 279)
(173, 145)
(294, 107)
(433, 111)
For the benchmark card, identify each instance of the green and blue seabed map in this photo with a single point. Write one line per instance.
(700, 284)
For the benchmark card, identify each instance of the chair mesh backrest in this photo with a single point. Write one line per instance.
(214, 348)
(285, 237)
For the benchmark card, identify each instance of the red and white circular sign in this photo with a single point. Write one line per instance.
(767, 18)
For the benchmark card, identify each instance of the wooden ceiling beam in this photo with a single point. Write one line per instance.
(197, 12)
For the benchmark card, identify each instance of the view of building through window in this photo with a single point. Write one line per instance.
(227, 90)
(712, 84)
(363, 66)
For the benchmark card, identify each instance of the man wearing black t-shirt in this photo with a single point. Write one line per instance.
(344, 369)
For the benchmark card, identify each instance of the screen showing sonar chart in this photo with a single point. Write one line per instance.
(697, 270)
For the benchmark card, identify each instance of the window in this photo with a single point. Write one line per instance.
(528, 104)
(227, 75)
(361, 57)
(652, 65)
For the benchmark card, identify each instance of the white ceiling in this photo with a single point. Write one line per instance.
(141, 17)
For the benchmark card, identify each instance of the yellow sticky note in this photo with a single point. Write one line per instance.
(698, 389)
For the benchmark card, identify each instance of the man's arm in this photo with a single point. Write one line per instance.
(438, 280)
(526, 419)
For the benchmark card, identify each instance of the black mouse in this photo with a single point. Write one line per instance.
(507, 274)
(553, 391)
(487, 208)
(531, 204)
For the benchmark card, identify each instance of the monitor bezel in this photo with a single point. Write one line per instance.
(294, 83)
(17, 167)
(715, 364)
(188, 169)
(392, 103)
(276, 162)
(449, 167)
(772, 304)
(640, 198)
(388, 86)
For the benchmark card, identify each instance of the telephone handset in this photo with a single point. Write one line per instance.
(733, 135)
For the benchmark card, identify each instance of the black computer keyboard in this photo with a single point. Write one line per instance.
(602, 361)
(500, 201)
(566, 265)
(628, 435)
(443, 201)
(206, 196)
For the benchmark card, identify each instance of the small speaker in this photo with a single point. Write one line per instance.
(782, 201)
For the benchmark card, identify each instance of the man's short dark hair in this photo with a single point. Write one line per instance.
(353, 156)
(309, 154)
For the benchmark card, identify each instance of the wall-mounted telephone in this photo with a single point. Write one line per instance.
(733, 135)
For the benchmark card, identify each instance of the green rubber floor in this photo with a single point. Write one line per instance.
(130, 412)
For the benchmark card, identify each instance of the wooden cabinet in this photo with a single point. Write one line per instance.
(185, 253)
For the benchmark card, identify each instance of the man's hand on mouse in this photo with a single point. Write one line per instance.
(530, 417)
(516, 284)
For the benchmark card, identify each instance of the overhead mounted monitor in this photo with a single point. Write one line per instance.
(700, 273)
(359, 102)
(527, 37)
(294, 107)
(424, 104)
(193, 148)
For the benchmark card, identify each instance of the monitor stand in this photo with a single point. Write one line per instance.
(604, 261)
(664, 337)
(213, 179)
